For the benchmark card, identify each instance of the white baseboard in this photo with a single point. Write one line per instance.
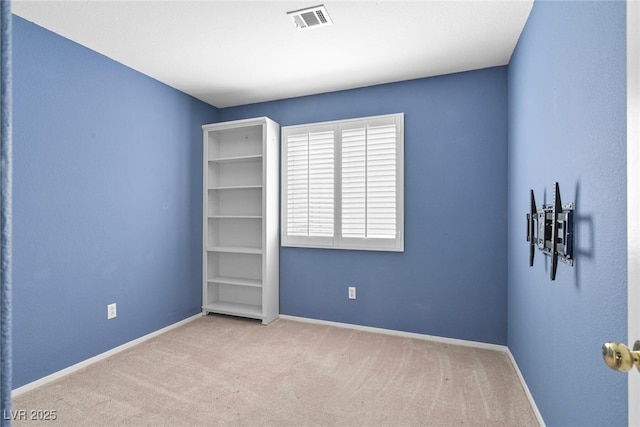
(452, 341)
(73, 368)
(443, 340)
(526, 389)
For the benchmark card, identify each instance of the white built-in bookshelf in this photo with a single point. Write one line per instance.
(241, 218)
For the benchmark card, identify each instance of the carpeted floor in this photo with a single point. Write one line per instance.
(226, 371)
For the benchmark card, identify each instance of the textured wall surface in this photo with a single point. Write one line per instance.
(6, 208)
(107, 206)
(567, 123)
(451, 279)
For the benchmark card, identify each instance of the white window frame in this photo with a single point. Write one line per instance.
(337, 241)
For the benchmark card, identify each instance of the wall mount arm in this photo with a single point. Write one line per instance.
(551, 230)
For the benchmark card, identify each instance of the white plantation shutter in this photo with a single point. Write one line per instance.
(298, 185)
(321, 176)
(309, 176)
(354, 183)
(381, 182)
(369, 182)
(343, 184)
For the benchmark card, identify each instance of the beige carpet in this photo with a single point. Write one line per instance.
(226, 371)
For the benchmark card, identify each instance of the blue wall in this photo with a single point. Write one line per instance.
(451, 279)
(107, 207)
(107, 203)
(567, 123)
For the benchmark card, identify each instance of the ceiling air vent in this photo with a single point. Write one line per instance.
(311, 17)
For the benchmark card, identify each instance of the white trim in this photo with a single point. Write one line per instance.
(337, 241)
(526, 389)
(80, 365)
(256, 121)
(633, 198)
(344, 121)
(452, 341)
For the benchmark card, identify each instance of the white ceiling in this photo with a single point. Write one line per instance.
(229, 53)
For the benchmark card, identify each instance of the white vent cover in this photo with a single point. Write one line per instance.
(311, 17)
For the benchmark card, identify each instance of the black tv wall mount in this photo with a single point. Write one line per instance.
(551, 230)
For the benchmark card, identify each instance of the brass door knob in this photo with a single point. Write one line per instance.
(618, 356)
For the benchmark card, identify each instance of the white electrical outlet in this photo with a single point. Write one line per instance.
(111, 311)
(352, 292)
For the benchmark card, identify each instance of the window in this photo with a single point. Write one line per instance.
(342, 184)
